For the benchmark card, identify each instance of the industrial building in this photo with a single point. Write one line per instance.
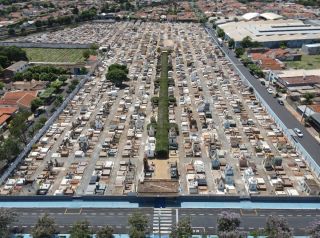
(271, 33)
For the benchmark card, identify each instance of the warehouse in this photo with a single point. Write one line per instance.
(270, 33)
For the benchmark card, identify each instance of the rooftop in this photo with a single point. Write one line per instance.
(17, 65)
(271, 30)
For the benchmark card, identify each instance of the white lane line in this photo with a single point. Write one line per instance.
(177, 216)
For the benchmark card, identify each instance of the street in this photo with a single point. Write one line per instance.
(203, 221)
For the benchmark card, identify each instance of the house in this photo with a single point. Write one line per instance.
(17, 67)
(21, 99)
(5, 115)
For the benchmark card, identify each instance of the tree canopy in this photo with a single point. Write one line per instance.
(117, 74)
(80, 229)
(105, 232)
(138, 225)
(183, 229)
(44, 228)
(11, 54)
(277, 227)
(228, 221)
(6, 218)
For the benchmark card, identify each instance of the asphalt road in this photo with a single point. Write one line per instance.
(203, 221)
(309, 143)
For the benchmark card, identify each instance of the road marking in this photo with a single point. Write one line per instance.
(308, 215)
(162, 220)
(248, 212)
(73, 211)
(299, 215)
(177, 216)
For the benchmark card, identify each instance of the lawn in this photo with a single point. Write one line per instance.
(306, 62)
(55, 55)
(162, 143)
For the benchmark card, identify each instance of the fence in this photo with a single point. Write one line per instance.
(300, 149)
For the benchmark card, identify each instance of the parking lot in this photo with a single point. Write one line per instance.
(226, 142)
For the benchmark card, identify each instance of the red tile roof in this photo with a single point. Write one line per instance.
(26, 100)
(18, 94)
(315, 107)
(5, 113)
(4, 118)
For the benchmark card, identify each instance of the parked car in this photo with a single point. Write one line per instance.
(280, 102)
(270, 90)
(298, 132)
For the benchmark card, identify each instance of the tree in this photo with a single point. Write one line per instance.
(63, 78)
(239, 52)
(231, 43)
(117, 76)
(138, 225)
(9, 149)
(80, 229)
(314, 229)
(105, 232)
(75, 11)
(86, 54)
(2, 85)
(182, 230)
(308, 98)
(283, 45)
(278, 227)
(36, 103)
(6, 218)
(228, 221)
(246, 42)
(118, 66)
(45, 227)
(220, 33)
(11, 32)
(18, 127)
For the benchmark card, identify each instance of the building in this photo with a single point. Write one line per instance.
(21, 99)
(315, 121)
(5, 115)
(311, 49)
(272, 33)
(266, 16)
(17, 67)
(294, 78)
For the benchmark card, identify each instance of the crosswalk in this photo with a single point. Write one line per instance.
(162, 220)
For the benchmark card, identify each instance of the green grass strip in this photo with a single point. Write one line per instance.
(162, 143)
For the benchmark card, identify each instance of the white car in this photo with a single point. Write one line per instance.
(298, 132)
(270, 90)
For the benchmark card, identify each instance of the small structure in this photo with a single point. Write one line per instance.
(221, 184)
(228, 175)
(311, 49)
(17, 67)
(311, 187)
(173, 145)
